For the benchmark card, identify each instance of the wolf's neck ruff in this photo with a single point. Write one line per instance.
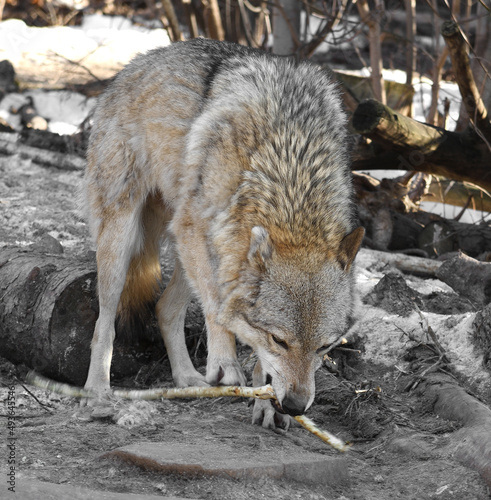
(296, 179)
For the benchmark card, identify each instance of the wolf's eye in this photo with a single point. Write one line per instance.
(280, 342)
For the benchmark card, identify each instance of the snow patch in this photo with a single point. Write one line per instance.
(386, 336)
(99, 40)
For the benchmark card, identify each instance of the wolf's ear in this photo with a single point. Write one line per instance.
(349, 247)
(260, 248)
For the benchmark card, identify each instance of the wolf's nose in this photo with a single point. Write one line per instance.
(294, 405)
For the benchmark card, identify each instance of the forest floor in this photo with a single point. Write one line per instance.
(400, 447)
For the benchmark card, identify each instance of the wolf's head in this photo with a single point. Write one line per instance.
(293, 302)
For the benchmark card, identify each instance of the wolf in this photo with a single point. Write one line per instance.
(242, 161)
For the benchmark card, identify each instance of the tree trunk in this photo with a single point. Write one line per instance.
(286, 27)
(481, 64)
(391, 223)
(10, 145)
(410, 6)
(372, 20)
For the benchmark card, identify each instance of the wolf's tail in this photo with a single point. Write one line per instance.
(144, 275)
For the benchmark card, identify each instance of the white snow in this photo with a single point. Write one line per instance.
(100, 39)
(65, 110)
(104, 41)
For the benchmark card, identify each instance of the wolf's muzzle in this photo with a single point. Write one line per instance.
(294, 405)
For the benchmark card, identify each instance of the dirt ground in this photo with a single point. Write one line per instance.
(400, 448)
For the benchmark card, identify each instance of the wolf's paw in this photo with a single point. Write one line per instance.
(189, 379)
(264, 414)
(224, 372)
(102, 394)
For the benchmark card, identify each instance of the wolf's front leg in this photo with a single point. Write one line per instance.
(171, 313)
(264, 412)
(193, 248)
(222, 367)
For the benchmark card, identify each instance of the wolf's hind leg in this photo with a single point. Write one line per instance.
(117, 241)
(171, 313)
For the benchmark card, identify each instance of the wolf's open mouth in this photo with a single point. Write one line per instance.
(277, 406)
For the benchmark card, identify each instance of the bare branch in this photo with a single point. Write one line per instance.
(170, 13)
(372, 20)
(465, 79)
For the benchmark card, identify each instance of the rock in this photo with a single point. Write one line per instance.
(48, 244)
(215, 458)
(393, 295)
(29, 489)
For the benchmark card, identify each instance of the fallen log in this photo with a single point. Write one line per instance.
(468, 277)
(405, 263)
(400, 142)
(459, 194)
(48, 310)
(10, 145)
(392, 223)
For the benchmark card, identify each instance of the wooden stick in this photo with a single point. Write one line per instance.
(326, 436)
(264, 392)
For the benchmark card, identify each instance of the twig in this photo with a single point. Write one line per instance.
(418, 378)
(340, 341)
(432, 335)
(43, 406)
(347, 349)
(247, 25)
(264, 392)
(170, 13)
(78, 64)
